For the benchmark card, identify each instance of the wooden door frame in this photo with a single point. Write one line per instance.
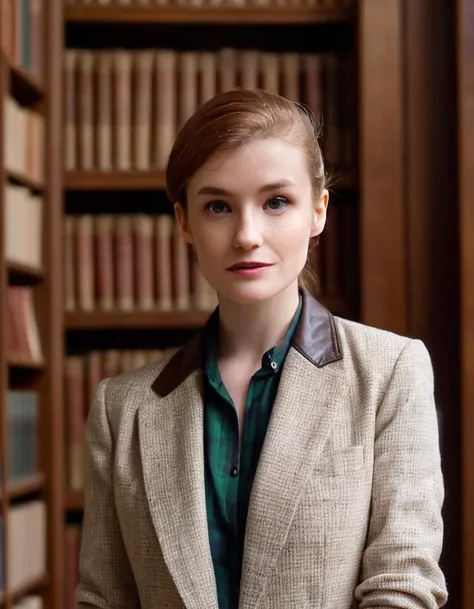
(465, 90)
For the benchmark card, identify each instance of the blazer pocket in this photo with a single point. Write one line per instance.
(341, 462)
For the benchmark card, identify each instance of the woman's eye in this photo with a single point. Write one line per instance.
(217, 207)
(277, 203)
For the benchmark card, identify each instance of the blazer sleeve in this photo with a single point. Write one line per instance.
(105, 576)
(400, 563)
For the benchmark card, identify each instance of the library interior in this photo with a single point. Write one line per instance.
(96, 279)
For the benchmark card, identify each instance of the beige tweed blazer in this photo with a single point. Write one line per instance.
(345, 510)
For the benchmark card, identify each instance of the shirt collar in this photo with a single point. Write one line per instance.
(272, 360)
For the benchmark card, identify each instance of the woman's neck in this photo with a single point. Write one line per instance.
(248, 331)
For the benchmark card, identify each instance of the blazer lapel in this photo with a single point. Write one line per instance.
(172, 453)
(307, 401)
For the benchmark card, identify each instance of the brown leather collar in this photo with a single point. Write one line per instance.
(316, 338)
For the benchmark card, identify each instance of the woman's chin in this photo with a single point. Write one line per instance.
(249, 294)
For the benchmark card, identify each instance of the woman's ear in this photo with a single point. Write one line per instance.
(182, 219)
(319, 214)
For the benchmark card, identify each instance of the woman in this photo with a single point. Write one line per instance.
(284, 458)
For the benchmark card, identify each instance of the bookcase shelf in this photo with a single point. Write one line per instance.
(34, 586)
(154, 180)
(15, 490)
(24, 273)
(15, 362)
(74, 501)
(120, 320)
(78, 13)
(23, 180)
(102, 180)
(31, 540)
(24, 86)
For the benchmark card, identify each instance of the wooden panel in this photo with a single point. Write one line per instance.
(432, 237)
(50, 306)
(3, 331)
(383, 255)
(465, 33)
(78, 13)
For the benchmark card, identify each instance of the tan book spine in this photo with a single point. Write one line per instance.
(124, 263)
(163, 237)
(142, 110)
(290, 64)
(76, 412)
(188, 73)
(123, 109)
(180, 271)
(70, 238)
(104, 111)
(139, 359)
(111, 363)
(269, 66)
(126, 361)
(207, 65)
(332, 253)
(71, 111)
(105, 262)
(94, 376)
(249, 61)
(227, 69)
(332, 110)
(86, 111)
(166, 103)
(313, 84)
(143, 229)
(85, 262)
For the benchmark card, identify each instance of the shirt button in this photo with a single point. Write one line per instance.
(274, 365)
(234, 471)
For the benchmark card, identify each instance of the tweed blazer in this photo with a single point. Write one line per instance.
(345, 510)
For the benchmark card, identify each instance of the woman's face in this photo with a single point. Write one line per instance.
(250, 215)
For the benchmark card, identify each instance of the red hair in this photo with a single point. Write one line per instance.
(230, 120)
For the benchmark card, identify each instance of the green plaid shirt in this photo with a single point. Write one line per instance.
(229, 474)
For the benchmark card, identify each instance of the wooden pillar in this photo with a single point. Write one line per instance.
(465, 91)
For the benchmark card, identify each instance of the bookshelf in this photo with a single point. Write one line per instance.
(146, 14)
(30, 286)
(388, 236)
(93, 190)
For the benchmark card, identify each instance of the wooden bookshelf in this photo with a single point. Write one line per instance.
(34, 83)
(146, 320)
(18, 489)
(154, 180)
(398, 109)
(78, 13)
(74, 501)
(24, 273)
(23, 364)
(97, 180)
(35, 586)
(24, 85)
(23, 180)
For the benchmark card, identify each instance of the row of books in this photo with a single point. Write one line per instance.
(25, 551)
(124, 108)
(131, 263)
(23, 341)
(24, 140)
(82, 376)
(23, 226)
(22, 434)
(72, 548)
(21, 33)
